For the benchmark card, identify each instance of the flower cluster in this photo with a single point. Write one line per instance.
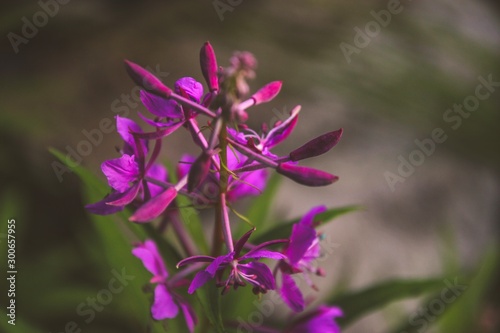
(233, 162)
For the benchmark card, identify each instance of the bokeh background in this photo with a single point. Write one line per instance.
(394, 90)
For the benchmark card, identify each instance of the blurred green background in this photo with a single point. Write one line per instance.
(395, 88)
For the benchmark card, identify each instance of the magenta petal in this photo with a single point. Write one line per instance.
(120, 172)
(291, 294)
(237, 136)
(126, 197)
(146, 80)
(214, 266)
(199, 280)
(158, 172)
(267, 93)
(148, 253)
(283, 130)
(306, 176)
(322, 320)
(161, 107)
(163, 306)
(208, 63)
(308, 219)
(263, 274)
(189, 315)
(250, 184)
(191, 87)
(301, 239)
(102, 207)
(123, 127)
(154, 207)
(264, 254)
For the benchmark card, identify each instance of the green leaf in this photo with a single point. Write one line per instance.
(210, 300)
(259, 210)
(463, 313)
(283, 229)
(358, 303)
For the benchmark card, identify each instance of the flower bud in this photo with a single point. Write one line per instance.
(317, 146)
(208, 63)
(146, 80)
(306, 176)
(199, 171)
(267, 92)
(152, 208)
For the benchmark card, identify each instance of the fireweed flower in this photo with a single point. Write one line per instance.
(302, 250)
(242, 268)
(321, 320)
(166, 302)
(126, 174)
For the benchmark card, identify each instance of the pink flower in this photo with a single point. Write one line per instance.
(166, 303)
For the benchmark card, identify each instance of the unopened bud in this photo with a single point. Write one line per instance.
(317, 146)
(146, 80)
(152, 208)
(306, 176)
(267, 93)
(199, 171)
(209, 68)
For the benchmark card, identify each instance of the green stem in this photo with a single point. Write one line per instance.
(222, 230)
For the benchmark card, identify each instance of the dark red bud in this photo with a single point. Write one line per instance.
(306, 176)
(208, 63)
(317, 146)
(146, 80)
(267, 92)
(199, 171)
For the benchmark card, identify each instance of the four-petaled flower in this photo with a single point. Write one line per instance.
(166, 302)
(242, 268)
(127, 174)
(301, 251)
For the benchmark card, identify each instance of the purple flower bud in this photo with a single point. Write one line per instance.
(317, 146)
(199, 171)
(146, 80)
(209, 68)
(267, 92)
(306, 176)
(154, 207)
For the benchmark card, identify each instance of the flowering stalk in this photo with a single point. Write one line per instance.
(232, 164)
